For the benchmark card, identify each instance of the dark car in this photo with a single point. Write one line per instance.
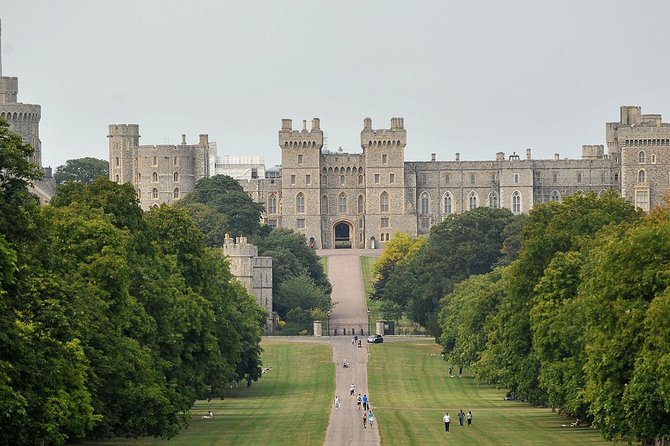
(375, 339)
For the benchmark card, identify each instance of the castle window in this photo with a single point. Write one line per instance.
(447, 203)
(324, 205)
(516, 178)
(154, 193)
(324, 180)
(384, 202)
(292, 180)
(516, 202)
(384, 222)
(579, 177)
(175, 161)
(139, 193)
(472, 199)
(342, 180)
(472, 178)
(342, 203)
(300, 223)
(493, 199)
(616, 177)
(360, 179)
(555, 196)
(653, 158)
(308, 179)
(155, 161)
(175, 192)
(384, 158)
(154, 177)
(423, 179)
(424, 222)
(117, 178)
(642, 199)
(117, 161)
(175, 177)
(392, 178)
(376, 178)
(300, 203)
(641, 176)
(602, 177)
(272, 204)
(361, 204)
(446, 178)
(554, 178)
(641, 157)
(424, 203)
(299, 159)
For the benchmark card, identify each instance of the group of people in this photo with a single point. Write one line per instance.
(355, 341)
(451, 371)
(361, 401)
(461, 416)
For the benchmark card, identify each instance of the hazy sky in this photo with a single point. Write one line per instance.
(468, 77)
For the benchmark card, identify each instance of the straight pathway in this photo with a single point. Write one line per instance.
(345, 426)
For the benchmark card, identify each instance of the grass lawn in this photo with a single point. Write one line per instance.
(410, 390)
(290, 405)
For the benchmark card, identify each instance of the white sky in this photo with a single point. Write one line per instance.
(468, 77)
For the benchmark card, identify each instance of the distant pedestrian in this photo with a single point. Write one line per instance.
(461, 416)
(451, 371)
(355, 338)
(353, 341)
(371, 418)
(365, 420)
(447, 419)
(337, 403)
(460, 371)
(359, 401)
(365, 401)
(352, 390)
(469, 418)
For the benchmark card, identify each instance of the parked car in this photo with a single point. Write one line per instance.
(375, 339)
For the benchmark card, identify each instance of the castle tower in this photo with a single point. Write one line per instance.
(23, 119)
(301, 180)
(384, 154)
(123, 139)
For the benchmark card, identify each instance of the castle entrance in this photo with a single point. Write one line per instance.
(343, 231)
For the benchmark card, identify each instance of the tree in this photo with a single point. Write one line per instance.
(400, 248)
(82, 170)
(301, 292)
(391, 311)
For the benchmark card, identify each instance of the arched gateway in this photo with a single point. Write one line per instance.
(343, 231)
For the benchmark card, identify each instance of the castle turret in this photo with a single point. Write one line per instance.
(123, 139)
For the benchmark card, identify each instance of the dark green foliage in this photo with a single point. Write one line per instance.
(82, 170)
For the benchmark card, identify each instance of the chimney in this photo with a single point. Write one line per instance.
(286, 124)
(316, 122)
(183, 139)
(367, 123)
(458, 156)
(557, 157)
(500, 156)
(432, 157)
(304, 125)
(204, 140)
(528, 153)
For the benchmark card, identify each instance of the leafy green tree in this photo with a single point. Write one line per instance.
(82, 170)
(301, 292)
(391, 311)
(399, 249)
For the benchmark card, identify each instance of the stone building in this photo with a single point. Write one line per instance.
(160, 173)
(254, 271)
(24, 119)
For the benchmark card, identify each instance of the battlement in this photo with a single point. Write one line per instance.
(124, 130)
(395, 137)
(593, 152)
(239, 247)
(289, 138)
(9, 90)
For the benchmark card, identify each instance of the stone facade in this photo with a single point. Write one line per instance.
(24, 119)
(252, 270)
(161, 173)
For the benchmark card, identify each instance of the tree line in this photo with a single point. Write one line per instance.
(568, 307)
(113, 321)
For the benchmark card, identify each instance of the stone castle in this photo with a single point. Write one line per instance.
(360, 200)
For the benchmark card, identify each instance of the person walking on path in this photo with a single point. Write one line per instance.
(365, 420)
(365, 401)
(352, 389)
(469, 417)
(337, 402)
(359, 401)
(371, 418)
(451, 371)
(461, 416)
(446, 420)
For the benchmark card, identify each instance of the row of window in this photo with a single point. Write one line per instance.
(154, 193)
(642, 157)
(343, 179)
(154, 177)
(117, 160)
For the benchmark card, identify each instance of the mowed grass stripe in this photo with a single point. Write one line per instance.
(410, 389)
(290, 405)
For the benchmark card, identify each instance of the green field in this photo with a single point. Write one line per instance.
(410, 390)
(296, 392)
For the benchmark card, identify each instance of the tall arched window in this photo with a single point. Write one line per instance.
(472, 199)
(300, 203)
(493, 199)
(361, 204)
(360, 179)
(384, 202)
(342, 180)
(447, 203)
(555, 196)
(641, 157)
(272, 204)
(324, 205)
(342, 203)
(117, 178)
(154, 193)
(175, 177)
(579, 177)
(154, 177)
(516, 202)
(424, 203)
(175, 192)
(641, 176)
